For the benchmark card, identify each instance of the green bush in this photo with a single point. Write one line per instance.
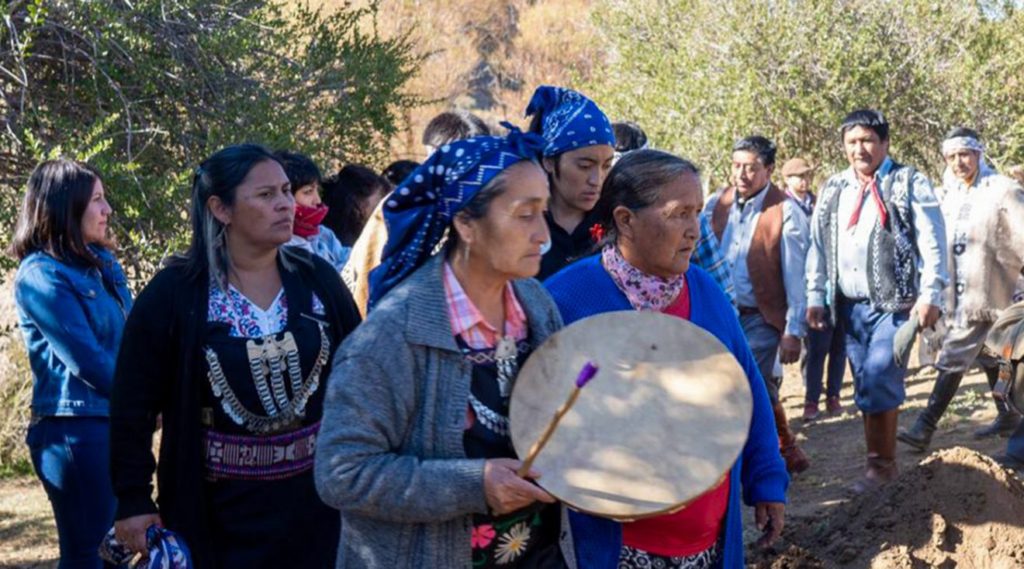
(146, 89)
(699, 74)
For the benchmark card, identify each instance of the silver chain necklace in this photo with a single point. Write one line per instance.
(269, 357)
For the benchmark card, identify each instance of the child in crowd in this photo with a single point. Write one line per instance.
(309, 231)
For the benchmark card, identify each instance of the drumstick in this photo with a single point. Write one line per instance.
(586, 374)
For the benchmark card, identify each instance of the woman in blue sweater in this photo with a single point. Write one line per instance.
(72, 299)
(648, 212)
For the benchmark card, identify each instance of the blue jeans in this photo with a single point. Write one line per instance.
(877, 380)
(71, 457)
(764, 344)
(831, 343)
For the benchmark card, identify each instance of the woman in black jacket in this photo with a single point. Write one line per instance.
(232, 344)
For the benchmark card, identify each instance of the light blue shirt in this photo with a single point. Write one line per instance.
(735, 245)
(325, 244)
(852, 259)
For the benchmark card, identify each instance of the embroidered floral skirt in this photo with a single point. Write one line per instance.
(527, 538)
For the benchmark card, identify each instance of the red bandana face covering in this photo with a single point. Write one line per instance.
(307, 220)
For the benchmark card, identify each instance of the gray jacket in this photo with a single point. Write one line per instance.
(390, 452)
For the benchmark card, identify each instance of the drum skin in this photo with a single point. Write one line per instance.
(661, 423)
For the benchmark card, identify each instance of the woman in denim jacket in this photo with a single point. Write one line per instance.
(72, 302)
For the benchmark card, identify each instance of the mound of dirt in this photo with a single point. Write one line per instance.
(957, 508)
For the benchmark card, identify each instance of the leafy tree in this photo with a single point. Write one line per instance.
(699, 74)
(145, 89)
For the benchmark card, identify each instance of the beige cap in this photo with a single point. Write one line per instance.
(796, 167)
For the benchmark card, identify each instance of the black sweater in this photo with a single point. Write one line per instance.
(566, 247)
(160, 370)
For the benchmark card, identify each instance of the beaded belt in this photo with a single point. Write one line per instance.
(242, 457)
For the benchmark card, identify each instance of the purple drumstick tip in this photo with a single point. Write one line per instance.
(586, 374)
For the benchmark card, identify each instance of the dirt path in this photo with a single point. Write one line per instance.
(835, 446)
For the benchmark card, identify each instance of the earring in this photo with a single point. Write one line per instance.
(220, 239)
(465, 254)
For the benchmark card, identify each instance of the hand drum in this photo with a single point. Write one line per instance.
(661, 423)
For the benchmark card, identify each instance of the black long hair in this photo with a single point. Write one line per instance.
(58, 193)
(867, 118)
(300, 169)
(219, 175)
(344, 193)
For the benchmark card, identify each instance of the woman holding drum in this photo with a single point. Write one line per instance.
(415, 448)
(648, 210)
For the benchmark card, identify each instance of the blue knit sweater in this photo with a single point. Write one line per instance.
(583, 289)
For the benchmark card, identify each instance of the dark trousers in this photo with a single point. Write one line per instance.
(821, 344)
(71, 457)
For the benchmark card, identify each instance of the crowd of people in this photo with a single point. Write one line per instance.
(329, 364)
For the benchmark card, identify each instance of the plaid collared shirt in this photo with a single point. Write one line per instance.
(469, 324)
(707, 256)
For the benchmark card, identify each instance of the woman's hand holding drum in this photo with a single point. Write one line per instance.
(506, 491)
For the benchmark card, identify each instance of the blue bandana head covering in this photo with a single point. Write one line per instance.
(419, 211)
(569, 120)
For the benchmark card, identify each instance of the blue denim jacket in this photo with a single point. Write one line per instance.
(72, 326)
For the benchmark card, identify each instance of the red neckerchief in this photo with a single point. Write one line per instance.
(883, 214)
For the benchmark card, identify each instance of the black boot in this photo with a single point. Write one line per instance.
(920, 435)
(1006, 419)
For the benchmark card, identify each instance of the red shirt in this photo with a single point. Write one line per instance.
(697, 526)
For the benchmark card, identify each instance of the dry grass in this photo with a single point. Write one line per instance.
(15, 386)
(522, 43)
(28, 537)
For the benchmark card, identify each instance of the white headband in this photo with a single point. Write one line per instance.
(951, 145)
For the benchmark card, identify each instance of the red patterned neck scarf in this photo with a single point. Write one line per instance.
(307, 220)
(645, 292)
(876, 196)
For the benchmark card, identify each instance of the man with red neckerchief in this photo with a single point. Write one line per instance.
(877, 259)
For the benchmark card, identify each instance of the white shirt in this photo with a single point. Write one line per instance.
(929, 233)
(735, 245)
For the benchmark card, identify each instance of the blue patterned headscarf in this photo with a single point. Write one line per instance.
(419, 211)
(569, 120)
